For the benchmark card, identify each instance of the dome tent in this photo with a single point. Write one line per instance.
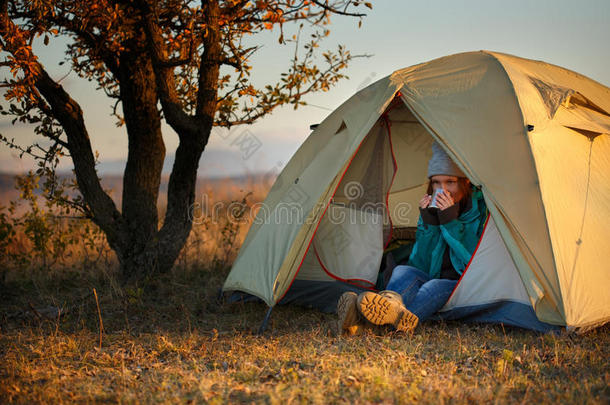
(534, 137)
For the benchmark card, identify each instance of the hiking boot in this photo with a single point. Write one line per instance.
(349, 318)
(386, 308)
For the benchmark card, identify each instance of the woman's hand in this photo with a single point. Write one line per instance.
(444, 200)
(425, 201)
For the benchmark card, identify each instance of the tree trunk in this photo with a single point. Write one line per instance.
(193, 140)
(144, 165)
(181, 195)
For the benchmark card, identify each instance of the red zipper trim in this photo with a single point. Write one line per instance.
(395, 165)
(345, 280)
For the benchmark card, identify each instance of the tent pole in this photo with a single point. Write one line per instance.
(263, 326)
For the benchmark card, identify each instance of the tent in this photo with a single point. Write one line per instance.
(533, 136)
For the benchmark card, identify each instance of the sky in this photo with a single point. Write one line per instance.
(396, 34)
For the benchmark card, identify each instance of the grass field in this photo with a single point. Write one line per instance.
(174, 342)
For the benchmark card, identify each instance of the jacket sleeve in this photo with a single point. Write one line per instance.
(426, 239)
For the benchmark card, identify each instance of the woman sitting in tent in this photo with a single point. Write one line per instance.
(448, 232)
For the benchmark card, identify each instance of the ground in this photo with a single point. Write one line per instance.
(173, 341)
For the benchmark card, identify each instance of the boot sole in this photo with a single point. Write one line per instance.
(381, 311)
(348, 314)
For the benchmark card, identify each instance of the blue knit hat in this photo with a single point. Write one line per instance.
(441, 163)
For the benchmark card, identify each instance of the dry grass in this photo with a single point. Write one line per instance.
(223, 212)
(173, 342)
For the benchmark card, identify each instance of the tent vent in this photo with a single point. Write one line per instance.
(552, 95)
(589, 134)
(578, 99)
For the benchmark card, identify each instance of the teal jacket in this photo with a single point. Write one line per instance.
(461, 235)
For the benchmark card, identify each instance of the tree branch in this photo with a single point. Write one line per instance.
(210, 66)
(182, 181)
(69, 114)
(173, 110)
(333, 10)
(93, 41)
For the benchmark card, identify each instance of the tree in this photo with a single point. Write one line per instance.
(158, 60)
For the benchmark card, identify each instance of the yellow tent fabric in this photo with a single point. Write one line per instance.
(534, 136)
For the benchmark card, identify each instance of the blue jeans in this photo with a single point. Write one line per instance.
(421, 295)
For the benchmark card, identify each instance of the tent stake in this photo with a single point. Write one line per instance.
(263, 326)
